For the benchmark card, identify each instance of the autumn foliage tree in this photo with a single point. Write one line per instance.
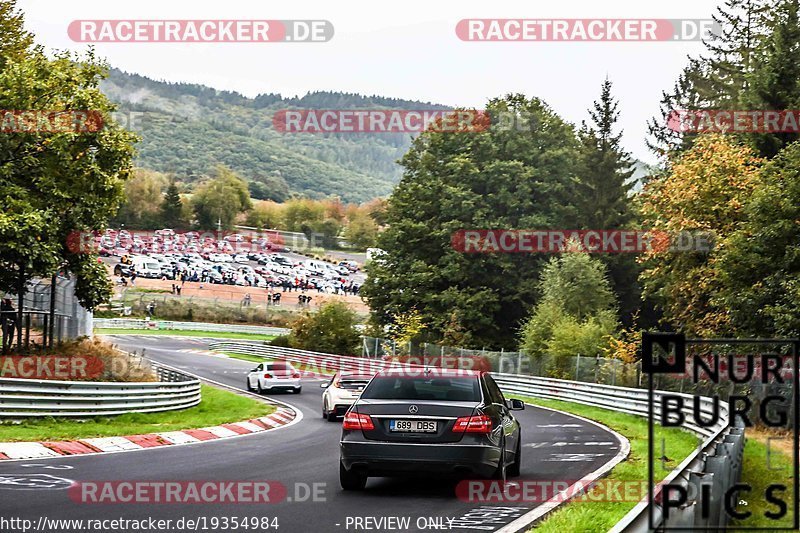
(705, 191)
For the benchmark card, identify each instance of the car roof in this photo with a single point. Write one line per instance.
(352, 374)
(430, 371)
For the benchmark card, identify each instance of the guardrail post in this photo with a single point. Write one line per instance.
(716, 465)
(696, 481)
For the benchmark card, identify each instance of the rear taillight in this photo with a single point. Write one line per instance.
(296, 375)
(355, 421)
(473, 424)
(268, 376)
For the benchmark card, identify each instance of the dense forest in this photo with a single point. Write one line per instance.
(188, 129)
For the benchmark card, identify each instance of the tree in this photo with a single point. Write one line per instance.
(774, 81)
(575, 315)
(143, 200)
(56, 183)
(268, 187)
(717, 79)
(332, 329)
(172, 207)
(361, 231)
(498, 178)
(264, 215)
(760, 262)
(705, 191)
(16, 42)
(602, 199)
(602, 189)
(220, 199)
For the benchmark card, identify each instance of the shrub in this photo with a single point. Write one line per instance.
(331, 330)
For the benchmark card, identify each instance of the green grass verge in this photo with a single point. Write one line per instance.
(590, 516)
(245, 357)
(183, 333)
(218, 407)
(760, 474)
(257, 359)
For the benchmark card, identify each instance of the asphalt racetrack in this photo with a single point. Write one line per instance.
(303, 457)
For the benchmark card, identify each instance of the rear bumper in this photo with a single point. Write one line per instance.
(340, 408)
(281, 384)
(378, 458)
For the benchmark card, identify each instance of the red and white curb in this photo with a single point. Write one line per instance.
(42, 450)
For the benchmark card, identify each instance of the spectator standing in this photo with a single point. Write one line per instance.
(8, 321)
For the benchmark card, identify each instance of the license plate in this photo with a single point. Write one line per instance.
(413, 426)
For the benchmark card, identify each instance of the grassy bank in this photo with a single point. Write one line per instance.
(760, 471)
(218, 407)
(599, 516)
(182, 333)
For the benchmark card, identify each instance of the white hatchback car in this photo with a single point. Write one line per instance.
(341, 391)
(274, 376)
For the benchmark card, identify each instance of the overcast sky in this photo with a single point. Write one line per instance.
(406, 49)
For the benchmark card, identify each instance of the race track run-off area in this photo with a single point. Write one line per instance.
(303, 457)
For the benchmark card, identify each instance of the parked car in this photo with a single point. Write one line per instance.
(274, 376)
(341, 391)
(240, 258)
(352, 266)
(430, 421)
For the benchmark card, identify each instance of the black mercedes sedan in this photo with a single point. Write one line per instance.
(429, 421)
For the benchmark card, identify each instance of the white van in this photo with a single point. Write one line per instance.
(317, 268)
(146, 267)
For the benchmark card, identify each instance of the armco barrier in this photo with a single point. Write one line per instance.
(137, 323)
(716, 462)
(31, 397)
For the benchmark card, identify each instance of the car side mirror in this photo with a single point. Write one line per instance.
(324, 385)
(516, 405)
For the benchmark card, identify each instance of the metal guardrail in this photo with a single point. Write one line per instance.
(717, 462)
(32, 397)
(137, 323)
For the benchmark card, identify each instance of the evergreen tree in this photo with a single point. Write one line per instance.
(718, 79)
(605, 168)
(774, 82)
(602, 199)
(172, 207)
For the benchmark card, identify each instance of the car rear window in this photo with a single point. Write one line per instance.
(279, 366)
(353, 384)
(462, 389)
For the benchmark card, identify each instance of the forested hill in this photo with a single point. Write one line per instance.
(187, 129)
